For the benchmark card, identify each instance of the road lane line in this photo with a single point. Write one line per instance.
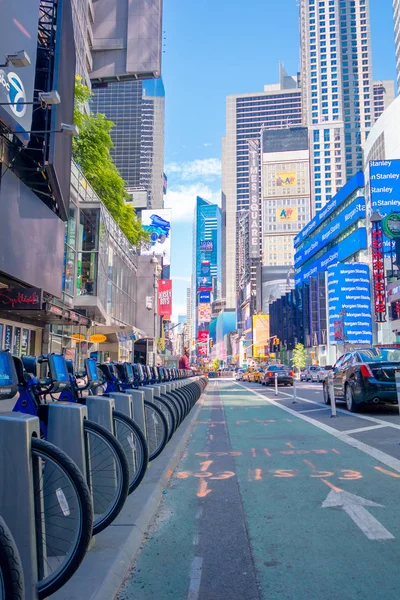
(382, 470)
(309, 410)
(361, 429)
(195, 578)
(380, 456)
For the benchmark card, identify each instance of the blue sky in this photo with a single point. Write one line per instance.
(219, 47)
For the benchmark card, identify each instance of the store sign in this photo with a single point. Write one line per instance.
(349, 304)
(254, 208)
(98, 338)
(165, 298)
(378, 272)
(204, 313)
(286, 214)
(206, 246)
(391, 226)
(354, 212)
(21, 299)
(78, 337)
(8, 334)
(204, 297)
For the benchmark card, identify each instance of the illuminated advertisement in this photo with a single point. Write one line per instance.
(204, 313)
(349, 304)
(165, 298)
(261, 333)
(206, 246)
(202, 341)
(254, 208)
(204, 281)
(286, 179)
(204, 297)
(378, 271)
(385, 195)
(286, 213)
(157, 223)
(19, 31)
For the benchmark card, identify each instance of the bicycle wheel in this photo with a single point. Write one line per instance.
(173, 408)
(63, 516)
(132, 440)
(168, 414)
(156, 429)
(107, 473)
(11, 575)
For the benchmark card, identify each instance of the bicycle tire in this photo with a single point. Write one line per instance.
(168, 414)
(46, 451)
(156, 429)
(131, 440)
(173, 408)
(111, 471)
(11, 575)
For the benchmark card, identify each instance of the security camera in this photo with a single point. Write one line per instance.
(52, 97)
(19, 59)
(70, 129)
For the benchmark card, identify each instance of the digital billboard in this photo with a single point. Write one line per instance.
(204, 313)
(19, 31)
(261, 333)
(206, 246)
(204, 297)
(165, 297)
(284, 214)
(286, 179)
(385, 194)
(158, 225)
(349, 304)
(204, 284)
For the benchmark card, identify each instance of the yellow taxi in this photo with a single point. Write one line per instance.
(255, 376)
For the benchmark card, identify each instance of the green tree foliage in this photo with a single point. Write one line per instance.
(215, 364)
(299, 359)
(91, 151)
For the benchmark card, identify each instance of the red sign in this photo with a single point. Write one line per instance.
(202, 337)
(165, 298)
(378, 269)
(21, 298)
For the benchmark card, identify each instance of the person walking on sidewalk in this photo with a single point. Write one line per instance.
(184, 360)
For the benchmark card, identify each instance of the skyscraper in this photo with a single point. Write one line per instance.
(396, 10)
(278, 106)
(137, 108)
(337, 89)
(83, 17)
(383, 96)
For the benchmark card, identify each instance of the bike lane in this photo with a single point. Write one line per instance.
(266, 505)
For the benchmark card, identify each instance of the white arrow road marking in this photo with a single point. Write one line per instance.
(354, 506)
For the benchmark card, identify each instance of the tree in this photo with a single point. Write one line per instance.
(299, 359)
(215, 364)
(91, 151)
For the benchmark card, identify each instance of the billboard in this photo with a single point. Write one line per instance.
(385, 195)
(204, 284)
(202, 341)
(165, 297)
(19, 31)
(349, 304)
(206, 246)
(204, 297)
(285, 214)
(254, 208)
(127, 40)
(261, 333)
(158, 225)
(204, 313)
(286, 178)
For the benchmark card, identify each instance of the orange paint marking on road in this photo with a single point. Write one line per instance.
(203, 454)
(284, 473)
(211, 436)
(320, 451)
(183, 474)
(349, 475)
(204, 474)
(203, 490)
(310, 464)
(255, 474)
(302, 452)
(204, 466)
(253, 453)
(267, 452)
(322, 474)
(287, 451)
(235, 453)
(289, 444)
(333, 487)
(335, 451)
(169, 473)
(390, 473)
(224, 475)
(240, 422)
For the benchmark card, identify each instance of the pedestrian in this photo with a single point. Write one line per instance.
(184, 360)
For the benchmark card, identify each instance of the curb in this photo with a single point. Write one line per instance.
(106, 565)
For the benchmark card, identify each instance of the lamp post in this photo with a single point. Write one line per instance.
(156, 268)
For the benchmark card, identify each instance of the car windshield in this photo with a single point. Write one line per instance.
(380, 355)
(276, 368)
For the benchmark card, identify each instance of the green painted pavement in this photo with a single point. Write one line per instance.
(283, 467)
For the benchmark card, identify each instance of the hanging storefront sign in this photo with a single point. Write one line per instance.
(165, 298)
(391, 226)
(98, 338)
(254, 208)
(21, 299)
(78, 337)
(8, 334)
(378, 272)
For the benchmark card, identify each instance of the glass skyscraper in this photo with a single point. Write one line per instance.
(138, 110)
(336, 78)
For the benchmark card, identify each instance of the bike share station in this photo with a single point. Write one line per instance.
(70, 456)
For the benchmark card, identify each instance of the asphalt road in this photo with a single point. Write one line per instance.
(275, 500)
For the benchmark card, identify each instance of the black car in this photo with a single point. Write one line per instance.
(365, 376)
(285, 375)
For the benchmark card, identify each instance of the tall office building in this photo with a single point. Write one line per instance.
(83, 18)
(207, 262)
(383, 96)
(189, 309)
(336, 81)
(138, 110)
(278, 106)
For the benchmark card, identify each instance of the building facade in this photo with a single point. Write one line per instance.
(396, 11)
(207, 267)
(83, 19)
(138, 110)
(338, 97)
(278, 106)
(383, 96)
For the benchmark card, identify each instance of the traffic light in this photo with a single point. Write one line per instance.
(277, 341)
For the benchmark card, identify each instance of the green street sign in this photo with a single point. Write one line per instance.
(391, 226)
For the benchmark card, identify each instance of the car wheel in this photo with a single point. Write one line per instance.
(351, 405)
(327, 399)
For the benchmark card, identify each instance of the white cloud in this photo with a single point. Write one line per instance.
(182, 199)
(207, 168)
(207, 144)
(180, 278)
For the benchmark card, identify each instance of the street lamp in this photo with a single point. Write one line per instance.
(19, 59)
(156, 267)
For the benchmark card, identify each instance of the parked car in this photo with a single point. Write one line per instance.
(365, 376)
(285, 375)
(321, 373)
(309, 372)
(256, 376)
(303, 375)
(245, 376)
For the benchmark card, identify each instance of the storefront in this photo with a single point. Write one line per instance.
(20, 339)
